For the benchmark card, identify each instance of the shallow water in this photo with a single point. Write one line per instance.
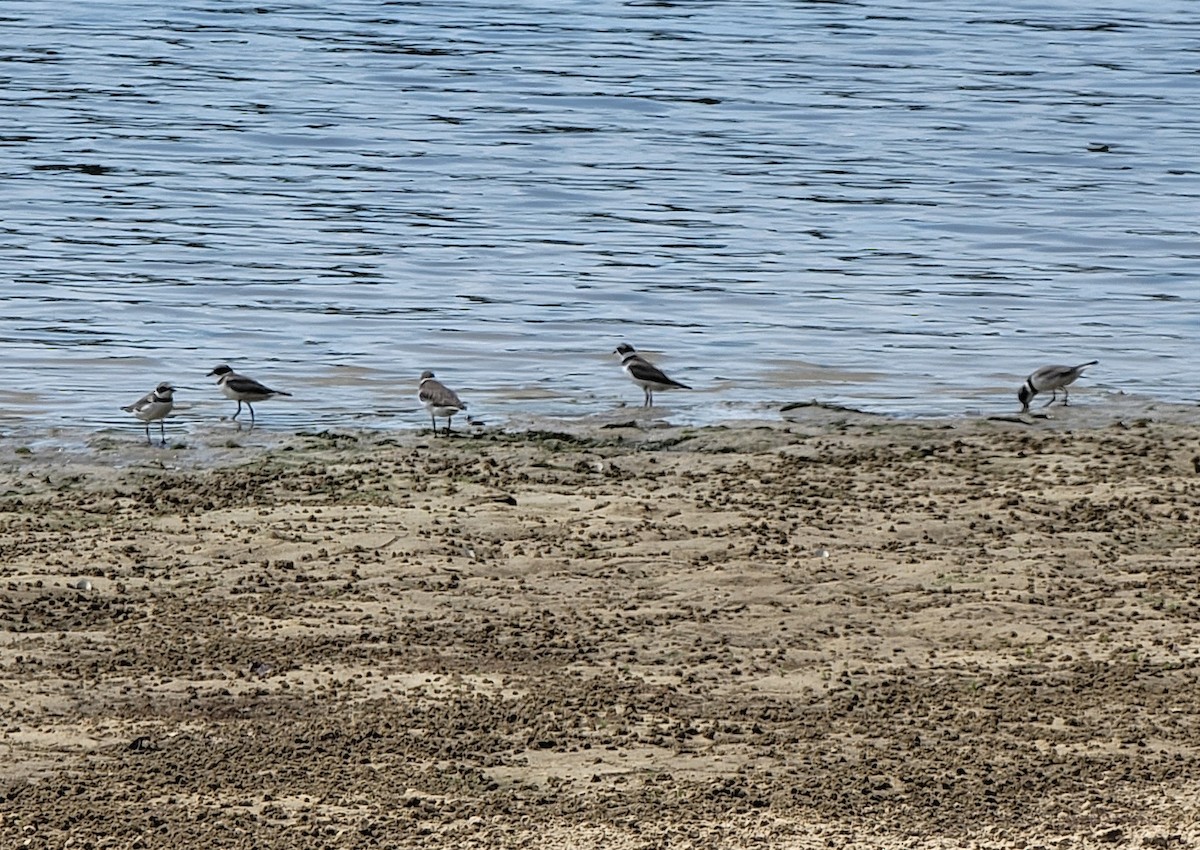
(899, 207)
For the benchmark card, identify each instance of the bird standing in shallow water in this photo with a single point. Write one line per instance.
(439, 400)
(155, 404)
(645, 374)
(242, 389)
(1052, 378)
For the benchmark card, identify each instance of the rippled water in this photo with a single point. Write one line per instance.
(904, 207)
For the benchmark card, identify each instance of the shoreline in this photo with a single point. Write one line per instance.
(843, 628)
(209, 442)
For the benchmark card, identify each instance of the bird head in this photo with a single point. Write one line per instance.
(1025, 395)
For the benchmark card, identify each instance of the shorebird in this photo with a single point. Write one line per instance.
(1052, 378)
(439, 400)
(242, 389)
(155, 404)
(645, 374)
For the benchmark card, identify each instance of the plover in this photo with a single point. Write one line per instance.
(242, 389)
(645, 374)
(1052, 378)
(155, 404)
(439, 400)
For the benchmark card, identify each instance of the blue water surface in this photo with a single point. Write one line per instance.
(901, 207)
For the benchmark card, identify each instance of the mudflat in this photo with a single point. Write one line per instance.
(837, 632)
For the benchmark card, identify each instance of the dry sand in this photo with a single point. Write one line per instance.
(841, 631)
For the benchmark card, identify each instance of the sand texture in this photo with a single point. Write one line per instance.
(837, 632)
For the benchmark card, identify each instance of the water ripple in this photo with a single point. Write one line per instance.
(883, 198)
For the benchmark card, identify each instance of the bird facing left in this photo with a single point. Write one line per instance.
(645, 374)
(1050, 379)
(241, 388)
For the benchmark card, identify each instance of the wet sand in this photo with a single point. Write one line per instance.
(837, 631)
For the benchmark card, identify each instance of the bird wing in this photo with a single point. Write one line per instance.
(643, 370)
(141, 403)
(248, 386)
(1051, 374)
(438, 394)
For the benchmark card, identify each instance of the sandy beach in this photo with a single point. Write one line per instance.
(832, 631)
